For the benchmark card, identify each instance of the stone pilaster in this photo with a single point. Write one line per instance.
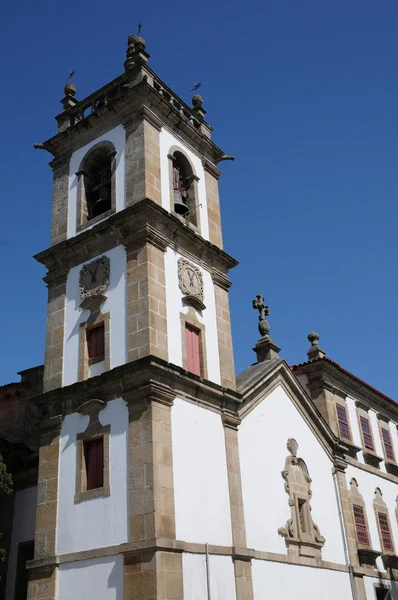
(143, 158)
(153, 575)
(53, 361)
(59, 223)
(151, 485)
(146, 303)
(225, 349)
(242, 566)
(213, 203)
(43, 584)
(47, 491)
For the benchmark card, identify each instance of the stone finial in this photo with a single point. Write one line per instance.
(69, 101)
(135, 53)
(266, 349)
(315, 351)
(197, 103)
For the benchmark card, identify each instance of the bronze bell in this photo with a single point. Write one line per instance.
(103, 189)
(180, 206)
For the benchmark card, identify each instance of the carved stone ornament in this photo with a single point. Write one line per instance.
(190, 281)
(94, 280)
(300, 531)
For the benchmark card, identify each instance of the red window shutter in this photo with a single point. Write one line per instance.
(96, 342)
(388, 447)
(343, 422)
(192, 338)
(367, 433)
(386, 538)
(360, 525)
(95, 463)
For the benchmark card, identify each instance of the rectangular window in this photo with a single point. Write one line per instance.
(192, 342)
(387, 441)
(342, 418)
(25, 553)
(382, 593)
(96, 343)
(366, 433)
(94, 459)
(385, 533)
(360, 525)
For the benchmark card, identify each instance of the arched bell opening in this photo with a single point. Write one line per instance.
(96, 184)
(184, 196)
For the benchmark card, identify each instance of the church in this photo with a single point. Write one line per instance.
(144, 468)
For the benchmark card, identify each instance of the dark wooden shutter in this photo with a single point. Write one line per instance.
(360, 525)
(96, 342)
(388, 447)
(94, 454)
(192, 339)
(366, 433)
(343, 422)
(386, 538)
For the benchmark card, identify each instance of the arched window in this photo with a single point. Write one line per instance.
(96, 184)
(184, 189)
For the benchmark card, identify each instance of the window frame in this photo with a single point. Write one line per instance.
(347, 424)
(99, 357)
(361, 507)
(191, 320)
(384, 426)
(95, 319)
(366, 448)
(382, 512)
(194, 203)
(94, 431)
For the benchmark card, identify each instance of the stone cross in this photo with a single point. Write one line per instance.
(263, 326)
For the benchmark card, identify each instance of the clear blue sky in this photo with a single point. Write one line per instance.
(303, 93)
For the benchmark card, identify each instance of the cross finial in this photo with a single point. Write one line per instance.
(266, 348)
(258, 304)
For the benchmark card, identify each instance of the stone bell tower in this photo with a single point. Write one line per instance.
(138, 315)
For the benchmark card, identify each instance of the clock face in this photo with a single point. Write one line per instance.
(191, 281)
(94, 277)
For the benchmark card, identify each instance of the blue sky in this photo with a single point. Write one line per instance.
(304, 94)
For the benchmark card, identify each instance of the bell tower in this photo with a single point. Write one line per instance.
(137, 316)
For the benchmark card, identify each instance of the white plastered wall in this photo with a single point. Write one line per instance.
(263, 434)
(207, 317)
(222, 577)
(115, 304)
(23, 530)
(367, 483)
(278, 580)
(100, 578)
(118, 138)
(97, 522)
(200, 475)
(166, 141)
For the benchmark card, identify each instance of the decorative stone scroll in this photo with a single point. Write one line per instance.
(94, 280)
(190, 281)
(302, 536)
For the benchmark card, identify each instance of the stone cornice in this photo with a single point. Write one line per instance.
(129, 100)
(324, 375)
(210, 168)
(134, 226)
(137, 382)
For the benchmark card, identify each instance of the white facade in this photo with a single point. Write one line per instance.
(23, 530)
(262, 446)
(200, 475)
(278, 580)
(100, 578)
(167, 141)
(115, 304)
(221, 574)
(207, 317)
(96, 522)
(117, 137)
